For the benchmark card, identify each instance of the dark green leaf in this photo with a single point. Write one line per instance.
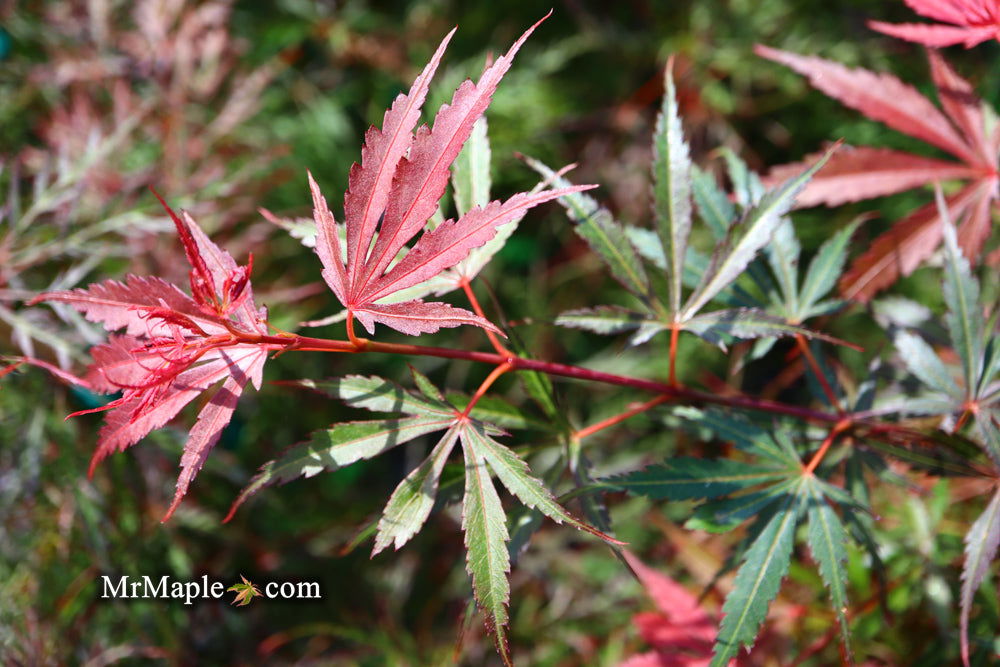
(783, 255)
(686, 478)
(827, 542)
(746, 435)
(746, 184)
(825, 269)
(714, 206)
(759, 224)
(719, 516)
(757, 581)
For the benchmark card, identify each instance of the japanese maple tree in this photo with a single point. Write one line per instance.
(722, 267)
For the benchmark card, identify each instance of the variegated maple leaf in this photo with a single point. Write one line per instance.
(973, 22)
(962, 127)
(395, 190)
(174, 348)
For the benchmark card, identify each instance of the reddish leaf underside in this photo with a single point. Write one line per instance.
(854, 174)
(866, 172)
(975, 21)
(881, 97)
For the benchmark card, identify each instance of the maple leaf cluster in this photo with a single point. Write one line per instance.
(176, 347)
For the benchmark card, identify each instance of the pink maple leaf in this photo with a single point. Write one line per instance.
(972, 22)
(394, 191)
(959, 127)
(681, 632)
(175, 347)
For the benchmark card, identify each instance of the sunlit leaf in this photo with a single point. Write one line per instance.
(412, 501)
(672, 188)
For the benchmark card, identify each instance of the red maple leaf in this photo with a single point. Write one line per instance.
(959, 128)
(973, 22)
(174, 348)
(681, 632)
(394, 191)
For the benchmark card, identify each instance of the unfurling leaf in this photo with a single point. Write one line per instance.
(176, 347)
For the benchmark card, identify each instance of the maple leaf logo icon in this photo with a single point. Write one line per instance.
(245, 592)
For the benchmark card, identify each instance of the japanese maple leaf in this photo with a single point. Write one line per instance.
(973, 22)
(392, 193)
(681, 632)
(245, 591)
(960, 127)
(174, 348)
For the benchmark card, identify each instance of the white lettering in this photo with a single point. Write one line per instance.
(157, 591)
(109, 589)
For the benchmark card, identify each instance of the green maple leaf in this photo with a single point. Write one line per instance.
(245, 592)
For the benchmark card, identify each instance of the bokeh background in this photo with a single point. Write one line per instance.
(222, 107)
